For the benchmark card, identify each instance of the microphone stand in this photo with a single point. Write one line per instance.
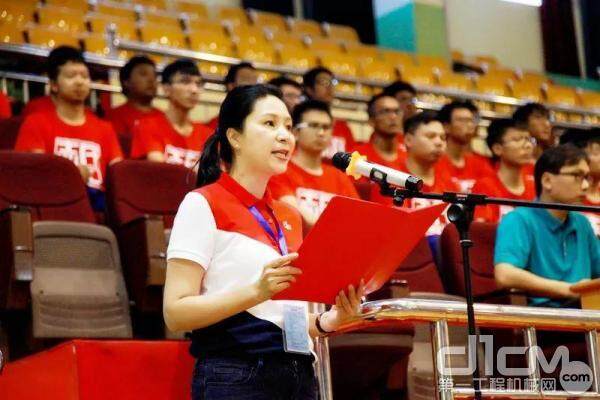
(460, 213)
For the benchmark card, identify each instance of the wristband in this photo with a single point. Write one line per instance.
(318, 325)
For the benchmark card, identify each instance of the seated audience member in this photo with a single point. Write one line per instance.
(138, 83)
(309, 184)
(386, 145)
(465, 167)
(5, 110)
(171, 137)
(67, 130)
(240, 74)
(544, 252)
(511, 147)
(319, 84)
(406, 94)
(535, 118)
(291, 90)
(590, 142)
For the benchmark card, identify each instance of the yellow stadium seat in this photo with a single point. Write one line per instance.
(11, 34)
(341, 65)
(191, 8)
(437, 62)
(64, 19)
(367, 54)
(203, 24)
(285, 38)
(247, 33)
(81, 5)
(297, 56)
(532, 78)
(379, 70)
(590, 99)
(232, 15)
(486, 61)
(417, 75)
(398, 58)
(256, 51)
(212, 42)
(457, 55)
(451, 80)
(268, 20)
(97, 44)
(325, 46)
(159, 35)
(123, 12)
(125, 29)
(492, 85)
(16, 14)
(306, 27)
(153, 4)
(341, 33)
(561, 95)
(166, 21)
(526, 91)
(50, 38)
(504, 75)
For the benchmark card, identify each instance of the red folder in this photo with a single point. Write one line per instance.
(354, 240)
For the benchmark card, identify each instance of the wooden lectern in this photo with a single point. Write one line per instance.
(590, 293)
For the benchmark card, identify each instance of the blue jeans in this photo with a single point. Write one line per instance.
(280, 377)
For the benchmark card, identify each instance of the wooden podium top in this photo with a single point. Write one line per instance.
(592, 285)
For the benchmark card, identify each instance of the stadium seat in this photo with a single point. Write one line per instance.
(502, 74)
(281, 39)
(49, 38)
(124, 11)
(232, 15)
(398, 58)
(526, 91)
(255, 51)
(417, 75)
(589, 99)
(433, 62)
(168, 22)
(213, 42)
(163, 36)
(16, 14)
(486, 62)
(532, 78)
(455, 81)
(64, 19)
(379, 70)
(561, 95)
(153, 4)
(203, 24)
(306, 27)
(81, 5)
(247, 33)
(492, 85)
(327, 47)
(296, 56)
(267, 20)
(457, 55)
(125, 29)
(98, 44)
(194, 9)
(11, 34)
(341, 65)
(142, 200)
(341, 33)
(365, 53)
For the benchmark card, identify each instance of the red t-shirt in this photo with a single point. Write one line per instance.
(43, 103)
(476, 168)
(594, 218)
(5, 110)
(311, 191)
(157, 134)
(368, 150)
(124, 117)
(341, 140)
(93, 144)
(492, 186)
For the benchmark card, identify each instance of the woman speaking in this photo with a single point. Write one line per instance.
(232, 249)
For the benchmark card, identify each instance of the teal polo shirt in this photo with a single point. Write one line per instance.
(535, 240)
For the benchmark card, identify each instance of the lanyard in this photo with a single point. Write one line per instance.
(279, 238)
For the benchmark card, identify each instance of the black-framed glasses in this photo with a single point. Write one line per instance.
(522, 140)
(579, 177)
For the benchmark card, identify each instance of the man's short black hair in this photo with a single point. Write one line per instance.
(399, 86)
(284, 80)
(553, 159)
(522, 113)
(580, 137)
(309, 105)
(125, 72)
(310, 77)
(59, 57)
(423, 118)
(233, 71)
(445, 114)
(184, 66)
(373, 100)
(497, 130)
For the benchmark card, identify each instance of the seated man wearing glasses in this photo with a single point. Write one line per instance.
(544, 252)
(309, 183)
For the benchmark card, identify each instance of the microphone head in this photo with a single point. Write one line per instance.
(341, 160)
(413, 183)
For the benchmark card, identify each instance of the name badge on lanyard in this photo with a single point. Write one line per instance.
(295, 314)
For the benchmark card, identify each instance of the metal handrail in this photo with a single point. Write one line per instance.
(438, 313)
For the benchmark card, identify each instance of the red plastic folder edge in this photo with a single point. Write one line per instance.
(354, 240)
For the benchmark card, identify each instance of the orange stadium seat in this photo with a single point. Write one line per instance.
(590, 99)
(455, 81)
(169, 22)
(306, 27)
(49, 38)
(398, 58)
(125, 29)
(193, 9)
(268, 20)
(160, 35)
(502, 74)
(81, 5)
(532, 78)
(492, 85)
(367, 54)
(526, 91)
(213, 42)
(11, 34)
(64, 19)
(341, 33)
(153, 4)
(203, 24)
(247, 33)
(121, 11)
(98, 44)
(16, 14)
(325, 46)
(297, 56)
(561, 95)
(232, 15)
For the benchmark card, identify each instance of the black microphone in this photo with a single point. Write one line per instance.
(356, 166)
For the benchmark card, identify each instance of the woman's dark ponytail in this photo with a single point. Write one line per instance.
(217, 153)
